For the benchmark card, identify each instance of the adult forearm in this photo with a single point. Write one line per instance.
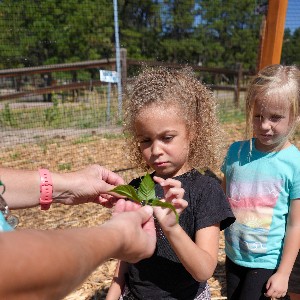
(87, 185)
(53, 263)
(21, 187)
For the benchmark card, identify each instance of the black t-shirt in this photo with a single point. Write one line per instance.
(162, 276)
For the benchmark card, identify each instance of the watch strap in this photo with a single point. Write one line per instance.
(46, 189)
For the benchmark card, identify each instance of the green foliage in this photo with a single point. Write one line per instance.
(146, 190)
(232, 116)
(51, 31)
(7, 116)
(145, 194)
(65, 167)
(111, 136)
(232, 32)
(84, 139)
(214, 33)
(15, 156)
(83, 115)
(52, 113)
(290, 48)
(140, 26)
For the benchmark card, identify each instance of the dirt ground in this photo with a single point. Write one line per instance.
(59, 154)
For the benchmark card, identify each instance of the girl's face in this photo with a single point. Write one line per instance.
(164, 140)
(271, 124)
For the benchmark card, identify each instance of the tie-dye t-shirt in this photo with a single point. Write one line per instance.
(259, 187)
(4, 226)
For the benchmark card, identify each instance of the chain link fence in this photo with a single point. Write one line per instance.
(56, 113)
(51, 52)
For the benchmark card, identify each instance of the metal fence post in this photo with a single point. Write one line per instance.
(118, 58)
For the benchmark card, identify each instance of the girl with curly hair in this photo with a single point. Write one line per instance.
(173, 130)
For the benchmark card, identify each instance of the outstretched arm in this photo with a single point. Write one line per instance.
(22, 187)
(118, 281)
(50, 264)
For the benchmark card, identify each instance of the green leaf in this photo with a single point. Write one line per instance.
(144, 195)
(127, 191)
(157, 202)
(146, 190)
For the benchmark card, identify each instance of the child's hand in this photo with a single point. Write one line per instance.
(277, 286)
(173, 193)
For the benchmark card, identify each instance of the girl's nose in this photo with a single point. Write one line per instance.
(265, 124)
(156, 148)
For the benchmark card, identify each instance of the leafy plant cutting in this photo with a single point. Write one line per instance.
(144, 194)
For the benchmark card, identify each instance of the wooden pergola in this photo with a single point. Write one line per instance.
(272, 33)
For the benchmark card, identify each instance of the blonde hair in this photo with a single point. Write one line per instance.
(282, 82)
(198, 109)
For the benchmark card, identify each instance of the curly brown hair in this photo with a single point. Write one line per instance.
(198, 109)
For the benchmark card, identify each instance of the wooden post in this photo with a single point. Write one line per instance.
(238, 85)
(262, 34)
(273, 34)
(74, 92)
(123, 58)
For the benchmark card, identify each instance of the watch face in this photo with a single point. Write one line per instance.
(3, 205)
(12, 220)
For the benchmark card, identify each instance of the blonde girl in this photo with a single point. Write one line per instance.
(173, 130)
(262, 183)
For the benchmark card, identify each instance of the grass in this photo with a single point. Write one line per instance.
(79, 115)
(228, 113)
(232, 116)
(65, 167)
(88, 114)
(84, 139)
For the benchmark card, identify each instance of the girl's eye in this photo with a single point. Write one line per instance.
(168, 138)
(276, 118)
(144, 141)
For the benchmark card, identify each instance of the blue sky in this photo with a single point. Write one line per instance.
(293, 15)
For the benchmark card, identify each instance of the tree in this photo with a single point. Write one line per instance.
(11, 49)
(181, 43)
(290, 49)
(140, 28)
(231, 32)
(53, 31)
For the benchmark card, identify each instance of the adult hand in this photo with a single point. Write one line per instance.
(137, 230)
(90, 184)
(129, 236)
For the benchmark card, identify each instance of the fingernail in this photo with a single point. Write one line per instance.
(148, 209)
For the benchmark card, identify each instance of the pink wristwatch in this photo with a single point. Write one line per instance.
(46, 189)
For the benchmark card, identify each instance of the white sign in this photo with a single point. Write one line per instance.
(108, 76)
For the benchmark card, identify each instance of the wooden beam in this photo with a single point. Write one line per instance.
(58, 67)
(52, 89)
(271, 45)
